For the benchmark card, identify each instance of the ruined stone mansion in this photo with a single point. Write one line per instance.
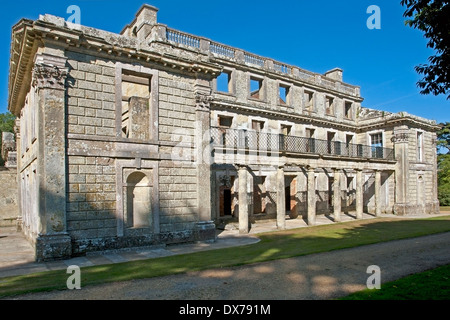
(156, 136)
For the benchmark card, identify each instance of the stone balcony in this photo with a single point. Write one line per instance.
(287, 145)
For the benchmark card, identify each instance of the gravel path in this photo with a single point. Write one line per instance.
(318, 276)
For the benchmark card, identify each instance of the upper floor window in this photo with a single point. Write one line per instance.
(309, 100)
(284, 94)
(135, 106)
(223, 82)
(420, 146)
(329, 106)
(376, 143)
(256, 88)
(348, 110)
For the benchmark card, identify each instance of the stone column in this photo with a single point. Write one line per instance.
(337, 195)
(359, 194)
(311, 197)
(243, 200)
(49, 76)
(205, 227)
(281, 200)
(377, 193)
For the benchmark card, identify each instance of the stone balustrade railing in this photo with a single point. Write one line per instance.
(222, 51)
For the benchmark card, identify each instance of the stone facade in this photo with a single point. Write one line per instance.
(156, 136)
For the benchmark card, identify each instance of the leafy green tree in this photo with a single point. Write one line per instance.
(6, 125)
(443, 145)
(432, 17)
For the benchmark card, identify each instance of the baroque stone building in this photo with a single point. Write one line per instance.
(156, 136)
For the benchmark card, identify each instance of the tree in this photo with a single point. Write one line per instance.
(443, 145)
(443, 139)
(6, 125)
(432, 17)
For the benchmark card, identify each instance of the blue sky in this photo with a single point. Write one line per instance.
(313, 35)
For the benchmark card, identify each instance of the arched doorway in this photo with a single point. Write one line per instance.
(138, 201)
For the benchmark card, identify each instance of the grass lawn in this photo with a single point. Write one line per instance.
(429, 285)
(273, 245)
(444, 208)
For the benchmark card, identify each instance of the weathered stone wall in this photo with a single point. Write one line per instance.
(90, 95)
(9, 204)
(91, 198)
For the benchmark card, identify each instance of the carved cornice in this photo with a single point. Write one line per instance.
(48, 76)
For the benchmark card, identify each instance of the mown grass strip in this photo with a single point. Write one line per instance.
(274, 245)
(429, 285)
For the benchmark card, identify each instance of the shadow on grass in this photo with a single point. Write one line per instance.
(273, 246)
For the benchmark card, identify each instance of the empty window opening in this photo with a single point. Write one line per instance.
(224, 82)
(135, 106)
(283, 92)
(286, 129)
(311, 145)
(225, 121)
(257, 125)
(330, 142)
(309, 100)
(348, 110)
(256, 88)
(329, 106)
(349, 144)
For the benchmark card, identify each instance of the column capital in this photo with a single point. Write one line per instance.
(202, 101)
(49, 76)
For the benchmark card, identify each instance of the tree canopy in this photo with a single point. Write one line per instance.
(432, 17)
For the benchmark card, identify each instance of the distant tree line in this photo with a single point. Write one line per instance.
(6, 125)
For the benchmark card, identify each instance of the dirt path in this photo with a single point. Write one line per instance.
(318, 276)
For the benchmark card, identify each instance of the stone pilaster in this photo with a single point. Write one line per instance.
(359, 194)
(400, 139)
(281, 200)
(434, 191)
(49, 75)
(311, 197)
(337, 195)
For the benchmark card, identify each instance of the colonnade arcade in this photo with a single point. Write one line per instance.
(295, 191)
